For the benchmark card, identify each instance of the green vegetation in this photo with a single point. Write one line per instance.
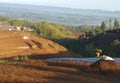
(2, 60)
(81, 47)
(45, 29)
(64, 16)
(51, 30)
(103, 27)
(15, 59)
(12, 22)
(113, 49)
(102, 37)
(116, 24)
(85, 47)
(91, 31)
(19, 58)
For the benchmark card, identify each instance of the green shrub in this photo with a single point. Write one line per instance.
(25, 58)
(16, 58)
(1, 60)
(20, 58)
(116, 42)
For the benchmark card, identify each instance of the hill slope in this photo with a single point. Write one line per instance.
(64, 16)
(103, 40)
(12, 43)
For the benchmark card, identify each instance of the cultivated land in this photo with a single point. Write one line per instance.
(36, 69)
(13, 44)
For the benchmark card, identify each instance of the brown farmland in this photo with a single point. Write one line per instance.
(39, 70)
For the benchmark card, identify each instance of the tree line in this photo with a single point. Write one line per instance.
(45, 29)
(92, 31)
(61, 35)
(86, 47)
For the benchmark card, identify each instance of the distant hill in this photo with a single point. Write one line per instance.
(64, 16)
(18, 43)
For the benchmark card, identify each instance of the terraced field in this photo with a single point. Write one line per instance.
(12, 43)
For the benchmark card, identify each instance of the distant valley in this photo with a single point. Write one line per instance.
(64, 16)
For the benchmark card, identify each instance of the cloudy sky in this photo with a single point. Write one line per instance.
(113, 5)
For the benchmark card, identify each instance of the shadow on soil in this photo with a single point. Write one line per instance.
(67, 54)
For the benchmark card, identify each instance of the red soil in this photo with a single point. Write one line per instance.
(105, 65)
(12, 44)
(41, 71)
(38, 70)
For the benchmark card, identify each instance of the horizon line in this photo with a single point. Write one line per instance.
(60, 7)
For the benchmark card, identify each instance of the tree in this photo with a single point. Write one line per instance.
(51, 30)
(110, 24)
(116, 42)
(103, 27)
(97, 30)
(116, 24)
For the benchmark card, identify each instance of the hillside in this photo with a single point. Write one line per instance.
(109, 42)
(38, 69)
(12, 43)
(64, 16)
(103, 40)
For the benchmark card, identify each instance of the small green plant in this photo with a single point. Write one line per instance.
(1, 61)
(20, 58)
(25, 58)
(116, 42)
(16, 58)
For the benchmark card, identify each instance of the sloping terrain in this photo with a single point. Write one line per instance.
(36, 69)
(105, 66)
(41, 71)
(12, 43)
(103, 40)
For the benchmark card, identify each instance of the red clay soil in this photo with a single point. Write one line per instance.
(13, 44)
(105, 65)
(41, 71)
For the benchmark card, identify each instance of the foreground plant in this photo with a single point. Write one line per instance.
(20, 58)
(1, 61)
(16, 58)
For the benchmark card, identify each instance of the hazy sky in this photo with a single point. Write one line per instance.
(113, 5)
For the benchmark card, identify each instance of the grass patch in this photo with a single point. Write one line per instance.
(15, 58)
(19, 58)
(1, 61)
(23, 58)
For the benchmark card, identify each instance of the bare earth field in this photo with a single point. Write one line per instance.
(13, 44)
(39, 70)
